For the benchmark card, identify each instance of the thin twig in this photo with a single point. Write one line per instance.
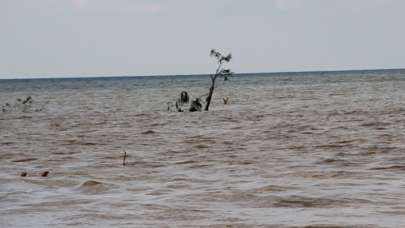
(125, 157)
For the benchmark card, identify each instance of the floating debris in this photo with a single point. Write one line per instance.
(196, 106)
(45, 174)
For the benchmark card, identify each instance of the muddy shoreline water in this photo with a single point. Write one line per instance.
(288, 151)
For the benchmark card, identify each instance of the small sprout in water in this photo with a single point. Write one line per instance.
(226, 99)
(124, 158)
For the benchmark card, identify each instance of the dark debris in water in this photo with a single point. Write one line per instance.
(45, 174)
(42, 174)
(25, 160)
(331, 226)
(92, 186)
(392, 167)
(148, 132)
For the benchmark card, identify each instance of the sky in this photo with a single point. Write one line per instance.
(73, 38)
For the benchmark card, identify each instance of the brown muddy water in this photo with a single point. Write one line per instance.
(310, 150)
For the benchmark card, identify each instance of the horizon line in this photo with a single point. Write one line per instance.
(195, 74)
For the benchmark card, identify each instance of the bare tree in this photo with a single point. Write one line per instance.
(196, 105)
(220, 72)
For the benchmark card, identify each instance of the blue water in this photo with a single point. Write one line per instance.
(133, 82)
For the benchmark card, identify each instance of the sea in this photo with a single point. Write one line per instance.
(302, 149)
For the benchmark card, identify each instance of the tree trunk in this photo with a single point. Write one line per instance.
(207, 106)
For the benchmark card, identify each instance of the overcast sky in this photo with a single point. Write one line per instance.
(56, 38)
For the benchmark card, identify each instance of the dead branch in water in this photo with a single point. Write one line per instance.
(220, 72)
(196, 105)
(124, 158)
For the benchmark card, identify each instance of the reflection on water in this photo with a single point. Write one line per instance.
(288, 151)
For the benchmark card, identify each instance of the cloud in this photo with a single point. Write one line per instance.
(286, 4)
(79, 4)
(118, 6)
(150, 8)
